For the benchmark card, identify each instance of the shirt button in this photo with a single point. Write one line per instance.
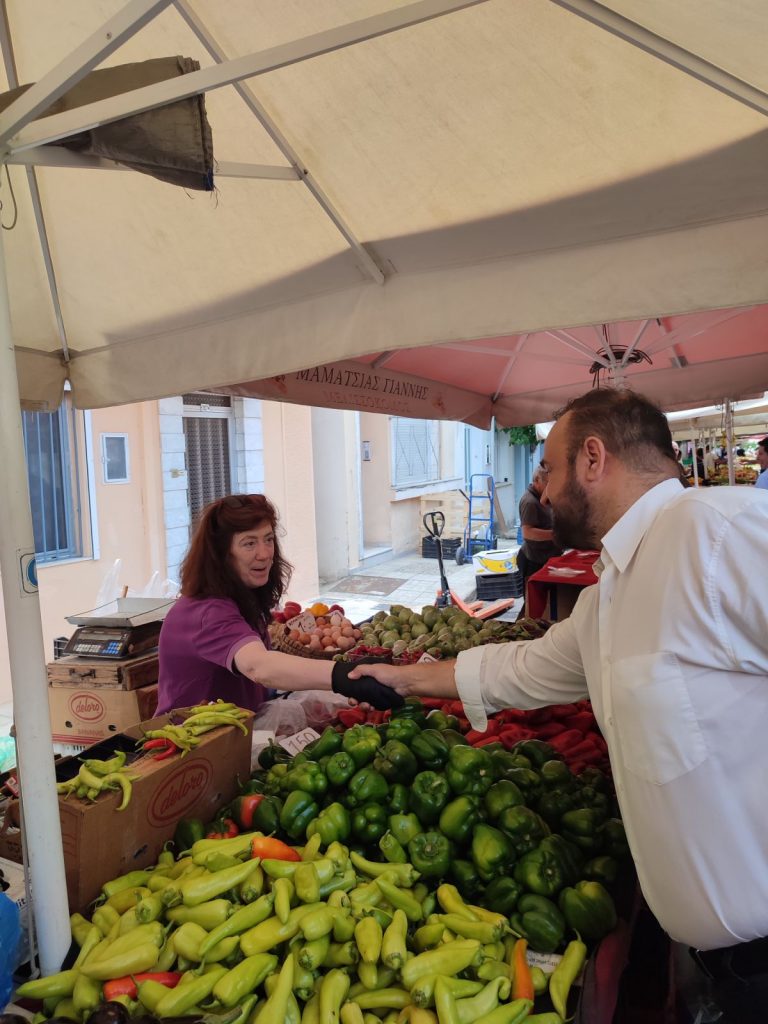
(610, 720)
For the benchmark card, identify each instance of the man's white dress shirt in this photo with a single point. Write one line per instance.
(671, 645)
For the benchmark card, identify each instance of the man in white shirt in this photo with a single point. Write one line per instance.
(671, 646)
(762, 461)
(710, 469)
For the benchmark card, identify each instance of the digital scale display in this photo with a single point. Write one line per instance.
(114, 641)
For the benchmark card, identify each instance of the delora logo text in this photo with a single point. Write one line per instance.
(87, 707)
(179, 792)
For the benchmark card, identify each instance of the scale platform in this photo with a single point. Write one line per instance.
(121, 629)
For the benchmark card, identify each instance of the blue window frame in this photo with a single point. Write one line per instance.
(52, 471)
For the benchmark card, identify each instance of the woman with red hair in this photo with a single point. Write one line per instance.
(214, 641)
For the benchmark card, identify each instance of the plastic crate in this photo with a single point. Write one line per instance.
(449, 545)
(490, 588)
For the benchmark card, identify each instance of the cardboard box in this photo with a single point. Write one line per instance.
(86, 714)
(101, 843)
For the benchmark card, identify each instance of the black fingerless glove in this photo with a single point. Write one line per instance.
(366, 689)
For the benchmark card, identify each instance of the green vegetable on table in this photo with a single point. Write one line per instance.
(332, 824)
(540, 922)
(361, 742)
(307, 777)
(370, 822)
(469, 771)
(395, 762)
(430, 854)
(589, 909)
(429, 795)
(524, 828)
(492, 852)
(540, 871)
(297, 812)
(366, 785)
(340, 768)
(459, 817)
(430, 749)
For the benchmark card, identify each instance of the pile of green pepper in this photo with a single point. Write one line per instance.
(503, 826)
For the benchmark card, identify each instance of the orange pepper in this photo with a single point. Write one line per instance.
(522, 985)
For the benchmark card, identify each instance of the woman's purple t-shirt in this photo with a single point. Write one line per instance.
(198, 643)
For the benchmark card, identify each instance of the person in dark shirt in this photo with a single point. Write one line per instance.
(536, 522)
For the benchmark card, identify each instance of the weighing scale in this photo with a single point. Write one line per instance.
(122, 629)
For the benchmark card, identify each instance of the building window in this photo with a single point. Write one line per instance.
(415, 452)
(207, 429)
(114, 458)
(54, 485)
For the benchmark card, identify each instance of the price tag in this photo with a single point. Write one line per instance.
(296, 743)
(425, 658)
(548, 962)
(305, 622)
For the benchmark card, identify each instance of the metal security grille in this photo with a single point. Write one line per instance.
(203, 400)
(416, 451)
(52, 475)
(207, 460)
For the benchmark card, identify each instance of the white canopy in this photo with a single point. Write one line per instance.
(504, 168)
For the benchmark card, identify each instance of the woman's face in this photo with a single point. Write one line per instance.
(252, 553)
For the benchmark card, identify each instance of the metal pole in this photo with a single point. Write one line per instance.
(695, 466)
(27, 659)
(729, 441)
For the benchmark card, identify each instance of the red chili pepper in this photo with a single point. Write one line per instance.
(566, 739)
(546, 732)
(169, 751)
(160, 743)
(583, 720)
(513, 734)
(268, 848)
(128, 986)
(486, 741)
(224, 828)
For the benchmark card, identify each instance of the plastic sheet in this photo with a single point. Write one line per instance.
(320, 706)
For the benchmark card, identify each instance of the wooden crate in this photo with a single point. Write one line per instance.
(125, 674)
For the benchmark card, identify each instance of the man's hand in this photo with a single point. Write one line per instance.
(431, 679)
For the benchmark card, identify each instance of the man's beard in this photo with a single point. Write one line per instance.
(572, 520)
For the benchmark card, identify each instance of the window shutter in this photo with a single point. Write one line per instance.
(416, 451)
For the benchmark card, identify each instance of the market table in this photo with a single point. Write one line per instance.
(558, 583)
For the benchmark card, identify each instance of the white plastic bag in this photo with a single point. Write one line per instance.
(320, 706)
(282, 717)
(110, 588)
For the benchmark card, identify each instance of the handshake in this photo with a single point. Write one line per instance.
(366, 689)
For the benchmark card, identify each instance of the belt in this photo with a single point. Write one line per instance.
(742, 961)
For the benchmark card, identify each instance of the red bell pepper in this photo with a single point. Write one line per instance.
(566, 739)
(583, 720)
(128, 986)
(351, 716)
(546, 732)
(223, 828)
(244, 808)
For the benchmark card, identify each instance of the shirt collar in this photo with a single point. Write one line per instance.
(624, 537)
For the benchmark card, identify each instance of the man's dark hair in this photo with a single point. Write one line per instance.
(763, 444)
(632, 428)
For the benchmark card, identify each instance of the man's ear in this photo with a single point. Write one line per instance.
(593, 455)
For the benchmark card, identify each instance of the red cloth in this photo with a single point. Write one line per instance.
(539, 582)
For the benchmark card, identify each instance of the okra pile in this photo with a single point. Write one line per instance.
(250, 930)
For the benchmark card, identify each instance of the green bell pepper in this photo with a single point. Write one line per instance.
(439, 720)
(504, 761)
(332, 824)
(399, 800)
(459, 817)
(469, 771)
(553, 803)
(430, 853)
(555, 773)
(464, 875)
(361, 742)
(413, 709)
(297, 812)
(501, 895)
(369, 823)
(540, 922)
(188, 832)
(328, 743)
(589, 909)
(395, 762)
(275, 776)
(500, 796)
(528, 781)
(402, 729)
(430, 749)
(266, 817)
(540, 871)
(492, 852)
(571, 857)
(273, 754)
(592, 776)
(308, 777)
(429, 795)
(602, 869)
(590, 796)
(524, 827)
(404, 827)
(453, 738)
(340, 768)
(365, 785)
(582, 827)
(537, 751)
(614, 838)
